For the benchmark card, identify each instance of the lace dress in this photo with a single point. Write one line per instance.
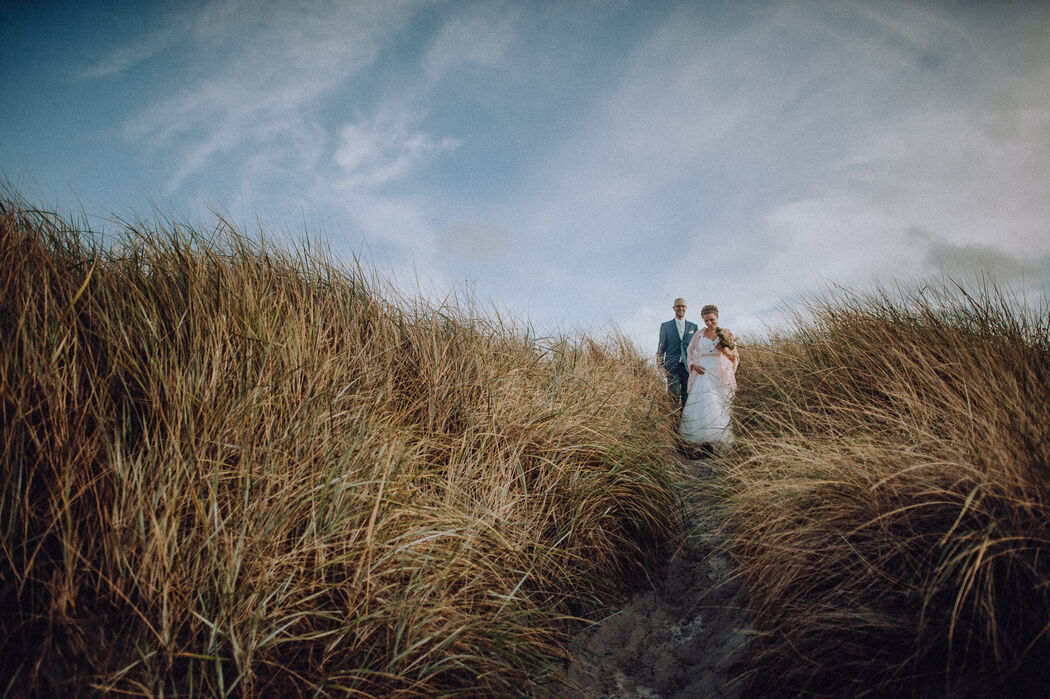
(705, 418)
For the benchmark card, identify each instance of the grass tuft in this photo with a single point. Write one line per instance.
(889, 499)
(233, 469)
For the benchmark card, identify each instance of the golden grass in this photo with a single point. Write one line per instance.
(889, 498)
(231, 469)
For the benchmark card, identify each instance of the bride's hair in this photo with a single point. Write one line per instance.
(709, 308)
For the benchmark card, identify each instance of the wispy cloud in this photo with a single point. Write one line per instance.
(476, 39)
(261, 69)
(133, 53)
(371, 155)
(739, 154)
(801, 147)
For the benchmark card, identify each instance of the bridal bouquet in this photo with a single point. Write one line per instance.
(725, 338)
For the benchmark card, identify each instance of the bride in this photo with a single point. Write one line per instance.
(712, 363)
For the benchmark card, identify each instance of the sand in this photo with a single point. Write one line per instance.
(675, 639)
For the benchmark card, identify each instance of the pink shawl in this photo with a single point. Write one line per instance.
(726, 366)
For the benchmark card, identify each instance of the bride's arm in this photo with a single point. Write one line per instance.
(692, 354)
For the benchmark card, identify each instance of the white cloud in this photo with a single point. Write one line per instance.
(392, 219)
(372, 155)
(961, 172)
(739, 155)
(474, 40)
(129, 55)
(262, 69)
(267, 72)
(833, 132)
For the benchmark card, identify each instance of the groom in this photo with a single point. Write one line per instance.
(675, 335)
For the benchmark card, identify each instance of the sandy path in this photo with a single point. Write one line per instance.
(676, 640)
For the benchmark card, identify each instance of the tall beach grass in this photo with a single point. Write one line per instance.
(888, 501)
(230, 468)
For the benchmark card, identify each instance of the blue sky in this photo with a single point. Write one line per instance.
(575, 165)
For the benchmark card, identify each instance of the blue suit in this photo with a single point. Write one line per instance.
(670, 353)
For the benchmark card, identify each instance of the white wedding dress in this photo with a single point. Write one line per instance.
(705, 418)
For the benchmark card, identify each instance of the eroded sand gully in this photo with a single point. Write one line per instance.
(676, 640)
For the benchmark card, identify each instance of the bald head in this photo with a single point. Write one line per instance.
(679, 308)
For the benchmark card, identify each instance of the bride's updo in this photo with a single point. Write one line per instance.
(709, 308)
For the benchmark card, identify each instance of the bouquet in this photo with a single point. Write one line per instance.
(725, 338)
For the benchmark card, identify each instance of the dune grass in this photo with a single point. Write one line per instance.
(888, 502)
(230, 468)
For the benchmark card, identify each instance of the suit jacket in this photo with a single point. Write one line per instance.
(670, 350)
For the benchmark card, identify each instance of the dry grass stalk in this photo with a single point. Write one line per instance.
(890, 495)
(233, 469)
